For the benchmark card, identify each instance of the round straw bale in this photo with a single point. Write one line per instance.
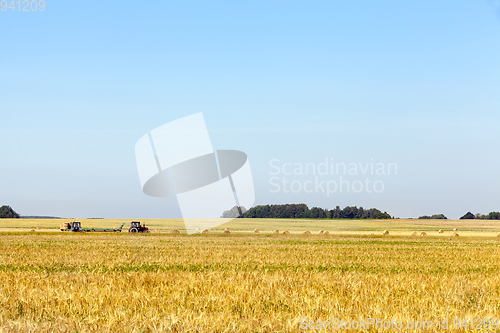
(176, 232)
(326, 232)
(423, 234)
(414, 234)
(256, 231)
(454, 234)
(498, 234)
(286, 232)
(455, 229)
(386, 232)
(227, 231)
(205, 231)
(276, 231)
(321, 232)
(440, 231)
(307, 232)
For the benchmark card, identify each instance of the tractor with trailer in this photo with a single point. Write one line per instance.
(77, 227)
(135, 227)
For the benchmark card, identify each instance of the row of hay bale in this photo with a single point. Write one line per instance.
(286, 232)
(67, 225)
(423, 233)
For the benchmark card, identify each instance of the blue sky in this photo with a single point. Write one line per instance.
(416, 84)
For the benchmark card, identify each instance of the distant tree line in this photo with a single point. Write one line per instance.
(478, 216)
(39, 217)
(6, 212)
(302, 211)
(433, 217)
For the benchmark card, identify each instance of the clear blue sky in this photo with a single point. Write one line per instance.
(411, 83)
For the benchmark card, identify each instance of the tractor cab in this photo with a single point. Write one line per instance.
(136, 226)
(76, 226)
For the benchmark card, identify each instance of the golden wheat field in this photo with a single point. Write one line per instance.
(243, 282)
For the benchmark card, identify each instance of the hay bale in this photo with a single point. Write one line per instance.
(175, 232)
(307, 232)
(423, 234)
(440, 231)
(413, 234)
(198, 229)
(498, 234)
(276, 231)
(385, 233)
(286, 232)
(454, 235)
(326, 232)
(38, 228)
(227, 231)
(321, 232)
(455, 229)
(205, 231)
(256, 231)
(32, 230)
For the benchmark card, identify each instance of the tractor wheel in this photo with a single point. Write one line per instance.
(132, 230)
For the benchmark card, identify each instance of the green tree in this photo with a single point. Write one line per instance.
(468, 216)
(382, 216)
(6, 212)
(493, 216)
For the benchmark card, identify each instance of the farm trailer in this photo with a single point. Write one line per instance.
(76, 226)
